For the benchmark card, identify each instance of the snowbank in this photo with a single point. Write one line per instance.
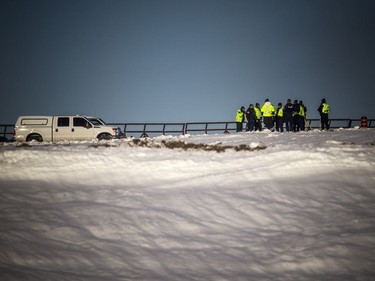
(291, 207)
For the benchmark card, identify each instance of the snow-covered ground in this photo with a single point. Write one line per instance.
(301, 207)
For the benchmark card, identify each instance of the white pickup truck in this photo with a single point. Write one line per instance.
(60, 128)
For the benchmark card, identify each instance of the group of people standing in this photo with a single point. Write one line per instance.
(292, 114)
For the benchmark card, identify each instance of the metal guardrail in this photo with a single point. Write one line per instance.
(151, 128)
(341, 123)
(145, 129)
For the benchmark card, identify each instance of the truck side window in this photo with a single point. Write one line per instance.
(80, 122)
(63, 122)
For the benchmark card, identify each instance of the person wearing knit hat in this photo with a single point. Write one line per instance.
(251, 117)
(288, 115)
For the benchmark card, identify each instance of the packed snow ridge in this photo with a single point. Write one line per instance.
(181, 144)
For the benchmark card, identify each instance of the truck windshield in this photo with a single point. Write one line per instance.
(97, 121)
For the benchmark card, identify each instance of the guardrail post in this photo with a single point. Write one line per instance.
(164, 129)
(144, 134)
(125, 130)
(226, 128)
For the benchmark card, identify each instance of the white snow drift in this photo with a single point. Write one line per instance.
(301, 208)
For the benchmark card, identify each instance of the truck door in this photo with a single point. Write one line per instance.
(82, 129)
(62, 128)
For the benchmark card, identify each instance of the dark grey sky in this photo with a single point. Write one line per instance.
(184, 60)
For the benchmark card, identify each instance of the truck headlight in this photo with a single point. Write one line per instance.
(117, 131)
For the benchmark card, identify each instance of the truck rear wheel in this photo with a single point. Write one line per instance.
(104, 136)
(34, 137)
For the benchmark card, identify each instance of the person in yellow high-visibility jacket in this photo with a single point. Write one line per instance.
(240, 118)
(324, 110)
(302, 115)
(258, 120)
(268, 112)
(280, 118)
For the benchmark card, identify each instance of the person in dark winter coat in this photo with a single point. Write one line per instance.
(324, 110)
(302, 115)
(296, 119)
(251, 118)
(288, 116)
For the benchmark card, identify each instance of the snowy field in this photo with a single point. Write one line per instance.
(292, 206)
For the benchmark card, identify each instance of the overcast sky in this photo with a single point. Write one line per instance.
(184, 60)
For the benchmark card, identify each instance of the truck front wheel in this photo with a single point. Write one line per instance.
(34, 137)
(104, 136)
